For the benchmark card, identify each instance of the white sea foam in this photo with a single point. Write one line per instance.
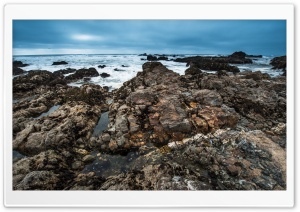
(132, 65)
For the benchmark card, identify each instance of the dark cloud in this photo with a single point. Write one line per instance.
(162, 36)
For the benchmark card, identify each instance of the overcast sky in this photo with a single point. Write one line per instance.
(32, 37)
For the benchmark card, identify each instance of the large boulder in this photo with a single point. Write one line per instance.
(82, 73)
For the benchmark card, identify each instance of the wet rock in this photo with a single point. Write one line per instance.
(65, 71)
(193, 70)
(77, 165)
(89, 93)
(86, 79)
(18, 71)
(118, 69)
(59, 63)
(279, 62)
(101, 66)
(88, 159)
(29, 173)
(18, 63)
(60, 129)
(87, 181)
(38, 180)
(81, 73)
(104, 75)
(257, 75)
(35, 79)
(151, 58)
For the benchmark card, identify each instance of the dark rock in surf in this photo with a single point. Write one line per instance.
(117, 69)
(142, 54)
(81, 73)
(65, 71)
(17, 63)
(59, 63)
(101, 66)
(278, 62)
(151, 58)
(104, 75)
(16, 67)
(18, 71)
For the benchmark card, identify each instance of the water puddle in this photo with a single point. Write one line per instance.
(24, 99)
(51, 110)
(106, 165)
(101, 125)
(17, 156)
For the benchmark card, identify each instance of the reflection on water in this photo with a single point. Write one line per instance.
(24, 99)
(106, 165)
(17, 156)
(51, 110)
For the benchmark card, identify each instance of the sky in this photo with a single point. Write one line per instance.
(35, 37)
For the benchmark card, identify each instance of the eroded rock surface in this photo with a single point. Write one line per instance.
(198, 131)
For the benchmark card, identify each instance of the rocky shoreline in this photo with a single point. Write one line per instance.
(198, 131)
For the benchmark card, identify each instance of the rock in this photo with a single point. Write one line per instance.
(58, 129)
(221, 73)
(162, 58)
(48, 166)
(233, 170)
(141, 97)
(239, 54)
(207, 97)
(193, 70)
(65, 71)
(117, 69)
(151, 58)
(104, 75)
(278, 62)
(34, 79)
(17, 64)
(217, 118)
(257, 75)
(142, 54)
(101, 66)
(59, 63)
(77, 165)
(82, 73)
(113, 145)
(88, 159)
(105, 137)
(38, 180)
(86, 79)
(17, 71)
(121, 123)
(88, 181)
(90, 94)
(166, 132)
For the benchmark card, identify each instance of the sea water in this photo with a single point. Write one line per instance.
(128, 65)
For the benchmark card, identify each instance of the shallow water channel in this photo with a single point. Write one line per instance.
(51, 110)
(106, 165)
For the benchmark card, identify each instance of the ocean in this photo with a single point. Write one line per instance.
(128, 65)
